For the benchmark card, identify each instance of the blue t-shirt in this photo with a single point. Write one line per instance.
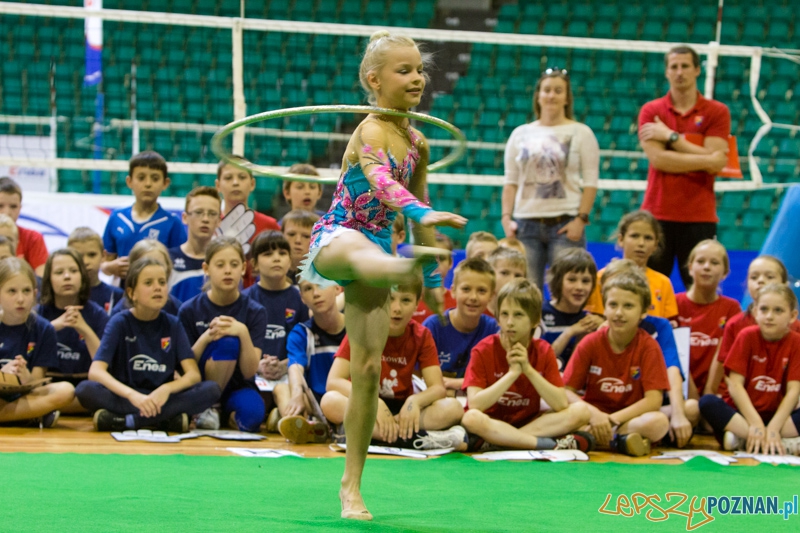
(106, 296)
(187, 277)
(171, 307)
(143, 354)
(34, 340)
(196, 314)
(73, 356)
(555, 322)
(313, 348)
(455, 347)
(285, 309)
(122, 232)
(661, 330)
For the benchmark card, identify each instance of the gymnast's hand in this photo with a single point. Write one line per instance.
(443, 218)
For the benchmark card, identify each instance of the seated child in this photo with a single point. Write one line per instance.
(405, 418)
(132, 378)
(296, 228)
(704, 310)
(760, 413)
(311, 347)
(301, 194)
(481, 244)
(201, 217)
(226, 331)
(639, 235)
(285, 308)
(621, 373)
(78, 321)
(444, 262)
(30, 243)
(27, 349)
(145, 219)
(155, 250)
(466, 324)
(763, 270)
(7, 247)
(508, 265)
(571, 279)
(89, 244)
(507, 375)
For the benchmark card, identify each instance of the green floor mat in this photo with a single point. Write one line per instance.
(72, 492)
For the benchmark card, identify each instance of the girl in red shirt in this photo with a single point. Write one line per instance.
(763, 369)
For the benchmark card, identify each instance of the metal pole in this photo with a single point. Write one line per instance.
(53, 126)
(239, 104)
(134, 121)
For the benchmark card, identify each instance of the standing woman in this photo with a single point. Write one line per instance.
(551, 170)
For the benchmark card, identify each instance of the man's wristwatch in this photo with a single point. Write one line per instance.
(674, 136)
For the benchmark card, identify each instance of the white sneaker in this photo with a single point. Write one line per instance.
(792, 445)
(455, 437)
(208, 419)
(731, 442)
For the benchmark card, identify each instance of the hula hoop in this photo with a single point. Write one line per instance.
(261, 170)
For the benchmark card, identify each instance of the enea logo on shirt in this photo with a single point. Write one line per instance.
(513, 399)
(275, 331)
(31, 347)
(766, 384)
(145, 363)
(65, 352)
(614, 386)
(166, 342)
(701, 339)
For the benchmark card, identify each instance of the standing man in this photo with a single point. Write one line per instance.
(680, 178)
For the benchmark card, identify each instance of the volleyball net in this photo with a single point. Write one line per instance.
(170, 81)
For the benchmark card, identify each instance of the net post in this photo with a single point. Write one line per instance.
(53, 126)
(239, 104)
(755, 76)
(134, 120)
(712, 60)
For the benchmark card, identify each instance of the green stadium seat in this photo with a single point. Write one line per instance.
(628, 29)
(471, 209)
(611, 214)
(761, 201)
(753, 220)
(755, 239)
(732, 238)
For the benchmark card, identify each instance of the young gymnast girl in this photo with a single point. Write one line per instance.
(383, 171)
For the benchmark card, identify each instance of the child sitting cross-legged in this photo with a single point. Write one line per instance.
(405, 418)
(620, 371)
(509, 372)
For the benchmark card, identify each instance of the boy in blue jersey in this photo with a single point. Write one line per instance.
(145, 219)
(311, 347)
(285, 308)
(465, 325)
(201, 217)
(89, 244)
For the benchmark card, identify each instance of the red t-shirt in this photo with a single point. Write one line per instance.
(423, 311)
(399, 358)
(685, 197)
(31, 247)
(707, 322)
(614, 381)
(735, 325)
(765, 365)
(520, 403)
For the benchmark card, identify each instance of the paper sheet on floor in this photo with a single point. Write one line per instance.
(226, 434)
(687, 455)
(263, 452)
(400, 452)
(147, 435)
(556, 456)
(268, 385)
(771, 459)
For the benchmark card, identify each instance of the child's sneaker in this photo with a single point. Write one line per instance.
(455, 437)
(208, 419)
(105, 420)
(176, 424)
(792, 445)
(731, 442)
(631, 444)
(578, 440)
(272, 420)
(298, 430)
(49, 420)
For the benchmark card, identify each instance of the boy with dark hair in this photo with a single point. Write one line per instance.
(89, 244)
(145, 219)
(466, 325)
(30, 243)
(201, 216)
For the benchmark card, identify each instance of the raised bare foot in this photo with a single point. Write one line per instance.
(353, 507)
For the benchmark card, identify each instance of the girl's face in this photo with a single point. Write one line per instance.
(274, 264)
(400, 82)
(65, 276)
(761, 272)
(515, 324)
(773, 315)
(151, 288)
(623, 310)
(707, 268)
(17, 296)
(553, 95)
(639, 242)
(576, 288)
(225, 270)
